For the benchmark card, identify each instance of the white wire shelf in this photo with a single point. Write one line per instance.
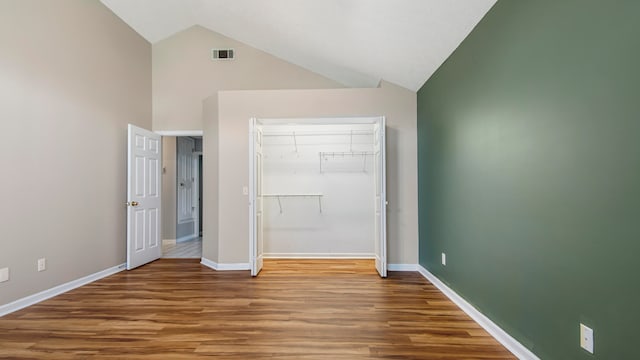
(325, 155)
(296, 134)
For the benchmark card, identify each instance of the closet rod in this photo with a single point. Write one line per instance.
(345, 153)
(319, 133)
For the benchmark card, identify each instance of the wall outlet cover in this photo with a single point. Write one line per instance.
(586, 338)
(4, 274)
(42, 264)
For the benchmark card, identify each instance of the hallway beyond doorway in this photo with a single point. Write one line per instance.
(183, 250)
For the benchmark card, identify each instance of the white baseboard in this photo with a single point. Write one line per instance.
(500, 335)
(402, 267)
(186, 238)
(318, 256)
(60, 289)
(224, 267)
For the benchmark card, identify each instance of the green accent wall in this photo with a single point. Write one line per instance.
(529, 173)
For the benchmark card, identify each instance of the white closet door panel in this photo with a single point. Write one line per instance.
(256, 234)
(380, 198)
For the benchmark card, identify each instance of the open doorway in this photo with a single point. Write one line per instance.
(182, 196)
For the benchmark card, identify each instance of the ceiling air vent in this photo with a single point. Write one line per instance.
(222, 54)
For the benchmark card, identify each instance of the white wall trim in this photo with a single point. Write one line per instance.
(500, 335)
(186, 238)
(57, 290)
(180, 132)
(402, 267)
(318, 256)
(224, 267)
(234, 266)
(209, 263)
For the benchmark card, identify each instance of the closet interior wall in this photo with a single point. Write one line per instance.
(318, 191)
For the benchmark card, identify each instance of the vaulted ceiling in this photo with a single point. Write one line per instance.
(354, 42)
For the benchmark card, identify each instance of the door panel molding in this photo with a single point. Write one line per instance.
(144, 181)
(185, 180)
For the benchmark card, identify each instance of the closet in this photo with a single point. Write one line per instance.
(317, 189)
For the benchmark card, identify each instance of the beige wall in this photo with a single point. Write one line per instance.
(236, 107)
(185, 86)
(184, 75)
(210, 176)
(72, 75)
(169, 168)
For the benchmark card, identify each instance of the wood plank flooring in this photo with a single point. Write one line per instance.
(179, 309)
(191, 249)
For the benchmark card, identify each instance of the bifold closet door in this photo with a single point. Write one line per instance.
(380, 197)
(256, 238)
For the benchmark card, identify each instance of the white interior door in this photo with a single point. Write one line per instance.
(143, 196)
(256, 240)
(186, 180)
(196, 195)
(380, 197)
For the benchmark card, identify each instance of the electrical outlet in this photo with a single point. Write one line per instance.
(245, 190)
(4, 274)
(42, 264)
(586, 338)
(444, 259)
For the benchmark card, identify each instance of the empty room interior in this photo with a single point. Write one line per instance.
(416, 179)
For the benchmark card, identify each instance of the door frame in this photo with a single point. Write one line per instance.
(178, 133)
(377, 119)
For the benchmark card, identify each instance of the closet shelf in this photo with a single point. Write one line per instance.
(280, 196)
(295, 134)
(318, 133)
(334, 154)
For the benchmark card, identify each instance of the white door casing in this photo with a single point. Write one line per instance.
(144, 186)
(256, 240)
(380, 197)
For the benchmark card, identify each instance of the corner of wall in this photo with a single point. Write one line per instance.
(210, 243)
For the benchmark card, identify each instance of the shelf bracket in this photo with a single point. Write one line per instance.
(295, 142)
(351, 141)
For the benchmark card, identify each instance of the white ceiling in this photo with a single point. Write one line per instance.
(354, 42)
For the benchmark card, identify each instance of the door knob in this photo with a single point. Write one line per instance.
(133, 203)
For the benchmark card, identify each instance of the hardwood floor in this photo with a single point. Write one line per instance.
(179, 309)
(191, 249)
